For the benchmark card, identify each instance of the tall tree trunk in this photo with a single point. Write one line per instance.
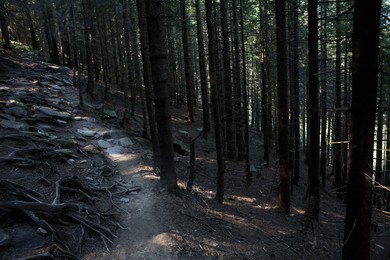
(379, 147)
(265, 88)
(245, 96)
(365, 41)
(147, 73)
(202, 72)
(50, 33)
(323, 94)
(4, 27)
(159, 66)
(237, 86)
(337, 151)
(295, 115)
(33, 35)
(128, 62)
(211, 21)
(88, 47)
(189, 70)
(313, 107)
(230, 131)
(283, 107)
(135, 60)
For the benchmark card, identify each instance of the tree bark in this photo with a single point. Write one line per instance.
(4, 27)
(230, 131)
(147, 73)
(237, 86)
(337, 151)
(313, 107)
(88, 47)
(159, 66)
(188, 68)
(283, 107)
(202, 72)
(365, 41)
(210, 15)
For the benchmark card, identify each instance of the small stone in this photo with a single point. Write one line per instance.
(10, 124)
(70, 161)
(104, 144)
(7, 116)
(125, 142)
(108, 113)
(124, 200)
(183, 132)
(88, 178)
(133, 193)
(42, 231)
(54, 113)
(5, 239)
(17, 111)
(252, 169)
(61, 122)
(86, 132)
(114, 151)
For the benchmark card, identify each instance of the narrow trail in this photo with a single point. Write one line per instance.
(145, 220)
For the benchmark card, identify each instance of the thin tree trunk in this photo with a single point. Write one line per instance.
(49, 28)
(230, 131)
(88, 47)
(314, 126)
(295, 93)
(202, 71)
(237, 86)
(337, 148)
(211, 21)
(189, 70)
(4, 27)
(128, 69)
(283, 111)
(245, 96)
(323, 95)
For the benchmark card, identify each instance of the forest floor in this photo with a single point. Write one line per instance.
(75, 185)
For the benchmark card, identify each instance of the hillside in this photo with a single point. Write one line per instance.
(75, 185)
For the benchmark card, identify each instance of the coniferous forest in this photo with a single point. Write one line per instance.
(195, 129)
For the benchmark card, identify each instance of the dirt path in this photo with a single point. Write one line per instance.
(146, 234)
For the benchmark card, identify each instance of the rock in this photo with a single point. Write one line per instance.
(183, 132)
(86, 132)
(10, 124)
(17, 111)
(125, 142)
(108, 113)
(90, 148)
(42, 231)
(252, 169)
(104, 144)
(5, 239)
(180, 147)
(61, 122)
(113, 134)
(114, 151)
(70, 161)
(12, 102)
(134, 193)
(7, 116)
(124, 200)
(54, 113)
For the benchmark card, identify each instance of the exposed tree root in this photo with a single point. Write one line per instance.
(72, 208)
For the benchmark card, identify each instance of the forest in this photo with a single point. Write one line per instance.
(235, 106)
